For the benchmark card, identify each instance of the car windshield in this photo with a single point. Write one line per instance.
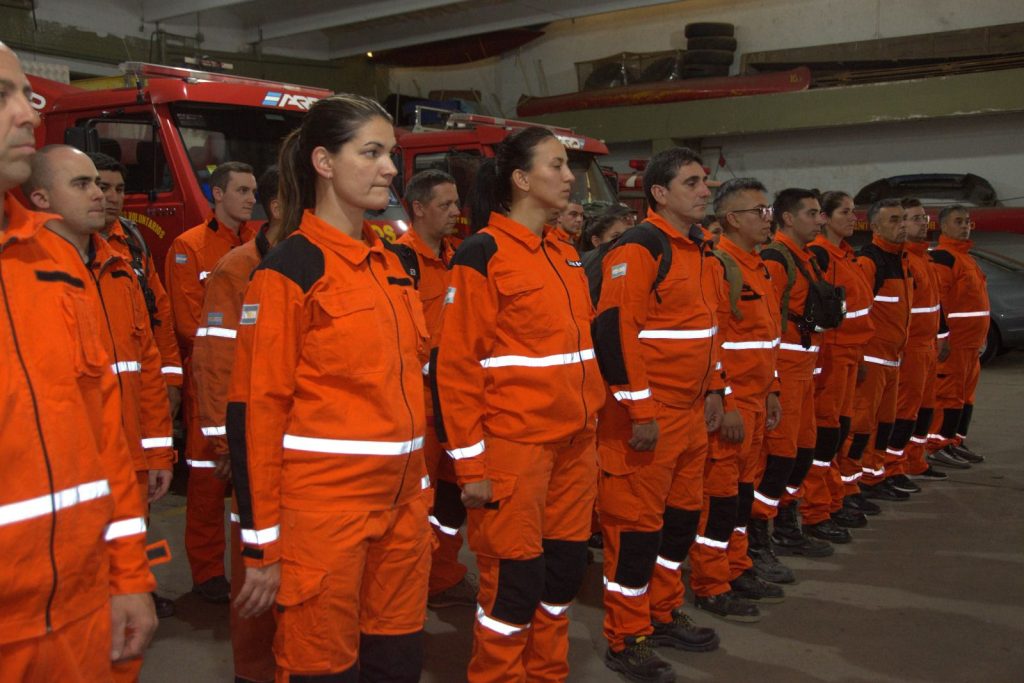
(214, 133)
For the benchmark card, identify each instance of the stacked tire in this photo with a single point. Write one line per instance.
(710, 49)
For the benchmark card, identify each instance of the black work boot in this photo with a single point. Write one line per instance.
(789, 539)
(759, 546)
(857, 502)
(639, 662)
(849, 518)
(729, 605)
(683, 634)
(828, 530)
(749, 586)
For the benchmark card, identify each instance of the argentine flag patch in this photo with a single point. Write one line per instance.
(449, 296)
(249, 313)
(618, 270)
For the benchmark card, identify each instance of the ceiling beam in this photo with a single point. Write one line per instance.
(358, 13)
(482, 20)
(160, 10)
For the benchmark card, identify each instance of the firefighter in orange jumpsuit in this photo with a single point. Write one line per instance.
(722, 576)
(325, 415)
(655, 337)
(569, 224)
(60, 183)
(192, 256)
(790, 447)
(125, 237)
(433, 202)
(72, 529)
(213, 354)
(964, 299)
(842, 350)
(915, 405)
(884, 262)
(518, 389)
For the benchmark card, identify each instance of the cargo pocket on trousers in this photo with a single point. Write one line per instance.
(500, 527)
(615, 493)
(302, 619)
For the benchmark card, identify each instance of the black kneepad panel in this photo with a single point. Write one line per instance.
(924, 422)
(965, 419)
(638, 551)
(744, 502)
(448, 507)
(776, 474)
(520, 586)
(882, 434)
(678, 532)
(721, 518)
(901, 431)
(844, 429)
(565, 563)
(857, 446)
(390, 659)
(801, 466)
(827, 443)
(950, 422)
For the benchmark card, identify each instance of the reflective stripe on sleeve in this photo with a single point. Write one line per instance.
(171, 370)
(926, 309)
(881, 361)
(786, 346)
(236, 518)
(467, 452)
(126, 366)
(425, 482)
(858, 313)
(542, 362)
(632, 395)
(261, 536)
(968, 314)
(125, 527)
(887, 299)
(739, 346)
(201, 464)
(351, 447)
(41, 506)
(220, 430)
(678, 334)
(158, 442)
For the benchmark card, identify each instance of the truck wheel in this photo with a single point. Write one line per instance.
(708, 57)
(704, 71)
(706, 29)
(712, 43)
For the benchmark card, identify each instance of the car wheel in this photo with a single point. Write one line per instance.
(992, 344)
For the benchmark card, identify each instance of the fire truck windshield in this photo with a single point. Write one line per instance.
(590, 184)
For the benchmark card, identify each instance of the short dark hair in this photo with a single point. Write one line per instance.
(788, 201)
(421, 186)
(952, 208)
(105, 162)
(832, 200)
(222, 174)
(663, 168)
(734, 186)
(598, 225)
(266, 188)
(910, 202)
(889, 203)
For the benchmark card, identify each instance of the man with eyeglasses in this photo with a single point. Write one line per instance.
(964, 299)
(884, 262)
(916, 397)
(722, 576)
(790, 447)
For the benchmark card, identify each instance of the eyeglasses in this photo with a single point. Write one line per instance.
(765, 213)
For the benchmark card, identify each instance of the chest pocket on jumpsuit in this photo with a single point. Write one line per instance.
(522, 307)
(347, 334)
(90, 358)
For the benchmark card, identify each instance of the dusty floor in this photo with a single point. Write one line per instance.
(931, 590)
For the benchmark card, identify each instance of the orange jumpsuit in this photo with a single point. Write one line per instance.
(325, 427)
(835, 386)
(518, 388)
(163, 324)
(72, 525)
(658, 355)
(790, 446)
(885, 266)
(213, 355)
(964, 298)
(447, 513)
(192, 256)
(915, 405)
(749, 346)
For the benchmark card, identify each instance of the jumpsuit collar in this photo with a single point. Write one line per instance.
(694, 234)
(802, 253)
(750, 259)
(954, 244)
(419, 245)
(353, 251)
(886, 245)
(23, 224)
(520, 232)
(843, 250)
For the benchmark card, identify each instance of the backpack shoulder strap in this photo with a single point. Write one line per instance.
(735, 279)
(785, 257)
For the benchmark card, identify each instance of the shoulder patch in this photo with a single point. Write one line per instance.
(180, 258)
(297, 259)
(618, 270)
(249, 314)
(476, 252)
(449, 296)
(942, 257)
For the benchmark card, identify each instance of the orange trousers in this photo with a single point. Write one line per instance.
(353, 593)
(834, 389)
(78, 652)
(719, 554)
(874, 411)
(649, 503)
(204, 502)
(252, 639)
(128, 670)
(957, 380)
(789, 448)
(447, 515)
(914, 404)
(531, 548)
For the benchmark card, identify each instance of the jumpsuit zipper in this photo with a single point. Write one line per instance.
(579, 336)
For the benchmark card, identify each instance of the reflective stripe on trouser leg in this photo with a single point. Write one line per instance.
(873, 467)
(709, 560)
(565, 563)
(510, 591)
(387, 659)
(849, 463)
(739, 560)
(772, 485)
(447, 517)
(205, 544)
(816, 495)
(677, 535)
(629, 558)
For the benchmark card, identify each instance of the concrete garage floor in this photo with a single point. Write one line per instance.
(931, 590)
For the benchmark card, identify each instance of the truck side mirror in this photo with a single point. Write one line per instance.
(85, 139)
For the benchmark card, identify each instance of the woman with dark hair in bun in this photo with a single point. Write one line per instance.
(518, 389)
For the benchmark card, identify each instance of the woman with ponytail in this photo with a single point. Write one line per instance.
(325, 416)
(517, 390)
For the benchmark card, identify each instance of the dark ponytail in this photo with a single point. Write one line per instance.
(329, 123)
(830, 201)
(493, 189)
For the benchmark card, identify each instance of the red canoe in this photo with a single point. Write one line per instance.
(669, 91)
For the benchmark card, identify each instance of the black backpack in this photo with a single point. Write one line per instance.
(825, 307)
(593, 260)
